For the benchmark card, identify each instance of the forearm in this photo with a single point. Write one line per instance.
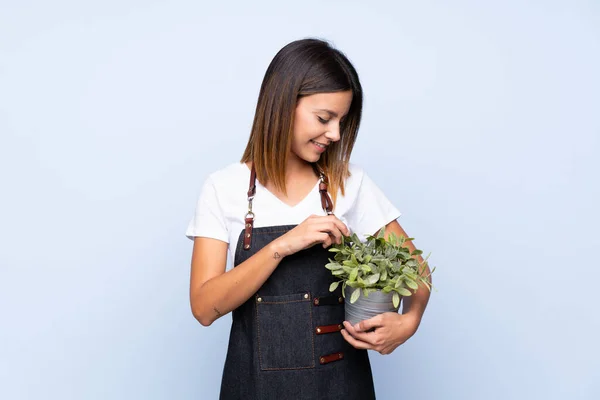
(224, 293)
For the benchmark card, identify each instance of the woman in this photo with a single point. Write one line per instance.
(274, 215)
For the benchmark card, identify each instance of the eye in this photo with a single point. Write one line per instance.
(322, 120)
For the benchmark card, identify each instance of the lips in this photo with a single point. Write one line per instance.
(319, 144)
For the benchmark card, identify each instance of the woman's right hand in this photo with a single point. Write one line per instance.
(315, 229)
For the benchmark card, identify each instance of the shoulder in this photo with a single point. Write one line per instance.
(356, 172)
(226, 184)
(354, 181)
(357, 185)
(230, 176)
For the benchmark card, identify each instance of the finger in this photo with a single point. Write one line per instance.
(369, 338)
(354, 342)
(335, 231)
(340, 225)
(331, 229)
(368, 324)
(324, 238)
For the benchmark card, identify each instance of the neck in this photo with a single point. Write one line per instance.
(297, 167)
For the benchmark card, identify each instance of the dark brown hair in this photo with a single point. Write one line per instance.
(301, 68)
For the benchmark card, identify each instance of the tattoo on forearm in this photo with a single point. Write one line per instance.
(217, 311)
(276, 255)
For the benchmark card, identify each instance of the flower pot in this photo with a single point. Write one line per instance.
(367, 307)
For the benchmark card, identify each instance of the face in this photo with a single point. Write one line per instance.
(317, 123)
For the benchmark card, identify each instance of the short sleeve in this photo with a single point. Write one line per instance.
(208, 220)
(372, 210)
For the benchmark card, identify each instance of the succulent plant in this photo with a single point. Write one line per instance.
(377, 264)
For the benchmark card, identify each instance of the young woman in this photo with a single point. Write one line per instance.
(273, 216)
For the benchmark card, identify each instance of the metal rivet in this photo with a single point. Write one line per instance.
(340, 355)
(247, 235)
(340, 327)
(316, 301)
(322, 360)
(306, 295)
(341, 300)
(248, 225)
(259, 299)
(318, 330)
(247, 246)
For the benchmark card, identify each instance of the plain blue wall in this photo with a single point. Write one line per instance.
(481, 123)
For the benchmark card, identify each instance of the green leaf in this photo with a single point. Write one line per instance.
(338, 272)
(399, 283)
(334, 250)
(416, 253)
(333, 286)
(333, 266)
(396, 300)
(384, 275)
(404, 292)
(355, 295)
(372, 279)
(411, 284)
(353, 275)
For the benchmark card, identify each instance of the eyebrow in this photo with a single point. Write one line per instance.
(332, 113)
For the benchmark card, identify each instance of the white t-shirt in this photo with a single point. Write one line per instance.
(223, 204)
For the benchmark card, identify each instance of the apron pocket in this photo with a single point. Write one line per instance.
(285, 331)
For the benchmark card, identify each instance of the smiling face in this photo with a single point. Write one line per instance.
(317, 123)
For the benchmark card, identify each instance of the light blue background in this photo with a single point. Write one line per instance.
(480, 123)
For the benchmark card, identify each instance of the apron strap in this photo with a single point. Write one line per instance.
(249, 218)
(326, 202)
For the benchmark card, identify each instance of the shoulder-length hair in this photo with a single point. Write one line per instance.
(301, 68)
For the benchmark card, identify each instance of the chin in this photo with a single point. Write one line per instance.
(308, 157)
(312, 158)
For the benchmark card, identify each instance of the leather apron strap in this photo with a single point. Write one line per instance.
(326, 202)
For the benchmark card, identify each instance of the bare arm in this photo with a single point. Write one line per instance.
(214, 292)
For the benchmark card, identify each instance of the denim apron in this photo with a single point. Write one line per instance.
(285, 341)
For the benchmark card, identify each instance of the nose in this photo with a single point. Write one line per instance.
(333, 134)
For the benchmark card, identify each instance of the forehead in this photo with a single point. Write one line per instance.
(338, 102)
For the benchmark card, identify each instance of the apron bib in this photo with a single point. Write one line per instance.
(285, 341)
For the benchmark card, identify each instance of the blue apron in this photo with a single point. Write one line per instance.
(285, 341)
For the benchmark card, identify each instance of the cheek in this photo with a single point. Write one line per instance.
(306, 127)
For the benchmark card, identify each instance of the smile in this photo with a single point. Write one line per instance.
(323, 146)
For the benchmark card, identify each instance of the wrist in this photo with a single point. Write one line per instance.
(278, 249)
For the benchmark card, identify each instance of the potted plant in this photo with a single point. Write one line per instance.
(375, 274)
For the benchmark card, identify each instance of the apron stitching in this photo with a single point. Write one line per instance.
(258, 336)
(285, 302)
(312, 335)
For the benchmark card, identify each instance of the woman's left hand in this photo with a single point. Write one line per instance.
(382, 333)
